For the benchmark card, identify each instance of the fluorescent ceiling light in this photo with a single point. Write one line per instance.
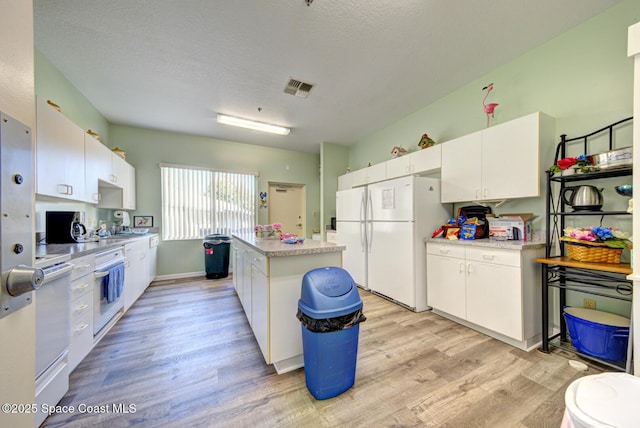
(250, 124)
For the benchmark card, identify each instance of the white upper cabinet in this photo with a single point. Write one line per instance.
(418, 162)
(60, 167)
(501, 162)
(98, 165)
(119, 191)
(345, 181)
(126, 179)
(370, 174)
(460, 174)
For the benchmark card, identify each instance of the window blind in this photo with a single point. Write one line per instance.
(198, 201)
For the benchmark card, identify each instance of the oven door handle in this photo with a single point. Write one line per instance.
(100, 274)
(65, 270)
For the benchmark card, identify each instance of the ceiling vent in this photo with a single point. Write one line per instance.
(298, 88)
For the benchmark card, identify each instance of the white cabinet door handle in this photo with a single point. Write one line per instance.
(82, 326)
(81, 286)
(488, 256)
(469, 270)
(444, 251)
(81, 266)
(81, 308)
(461, 267)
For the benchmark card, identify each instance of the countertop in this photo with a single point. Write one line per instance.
(81, 249)
(276, 248)
(536, 242)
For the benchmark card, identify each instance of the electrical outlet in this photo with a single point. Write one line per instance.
(589, 304)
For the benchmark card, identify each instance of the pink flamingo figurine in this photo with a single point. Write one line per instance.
(488, 108)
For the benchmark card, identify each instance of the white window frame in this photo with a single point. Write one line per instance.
(190, 209)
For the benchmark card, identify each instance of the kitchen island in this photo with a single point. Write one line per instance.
(267, 276)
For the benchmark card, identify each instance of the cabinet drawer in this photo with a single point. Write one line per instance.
(81, 339)
(448, 250)
(259, 262)
(494, 255)
(81, 306)
(81, 286)
(82, 266)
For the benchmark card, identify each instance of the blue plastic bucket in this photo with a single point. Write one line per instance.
(597, 333)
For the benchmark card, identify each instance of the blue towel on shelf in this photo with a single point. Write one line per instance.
(113, 283)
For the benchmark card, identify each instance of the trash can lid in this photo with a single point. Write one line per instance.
(217, 238)
(328, 292)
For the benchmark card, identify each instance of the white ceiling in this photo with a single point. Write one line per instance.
(172, 65)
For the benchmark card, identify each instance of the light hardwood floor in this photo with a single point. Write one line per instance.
(184, 356)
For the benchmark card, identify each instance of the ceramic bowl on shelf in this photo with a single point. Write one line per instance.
(625, 190)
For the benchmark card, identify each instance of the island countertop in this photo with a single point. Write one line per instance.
(277, 248)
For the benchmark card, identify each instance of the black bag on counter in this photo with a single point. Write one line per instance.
(479, 212)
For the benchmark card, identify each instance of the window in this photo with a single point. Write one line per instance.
(199, 201)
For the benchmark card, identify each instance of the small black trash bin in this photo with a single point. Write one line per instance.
(330, 311)
(216, 255)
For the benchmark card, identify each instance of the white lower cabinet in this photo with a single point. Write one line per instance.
(491, 289)
(81, 310)
(152, 259)
(140, 270)
(269, 289)
(135, 275)
(259, 299)
(446, 279)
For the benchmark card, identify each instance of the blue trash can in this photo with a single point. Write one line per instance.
(330, 312)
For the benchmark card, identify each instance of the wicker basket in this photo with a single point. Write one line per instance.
(595, 252)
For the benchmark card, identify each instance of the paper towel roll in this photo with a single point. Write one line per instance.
(124, 216)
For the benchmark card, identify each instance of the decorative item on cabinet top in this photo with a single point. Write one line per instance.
(54, 105)
(94, 134)
(120, 152)
(488, 108)
(396, 152)
(426, 142)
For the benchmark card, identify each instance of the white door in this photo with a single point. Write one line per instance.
(354, 258)
(391, 262)
(287, 206)
(350, 204)
(391, 200)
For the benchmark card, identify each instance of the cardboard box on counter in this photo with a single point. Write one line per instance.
(511, 227)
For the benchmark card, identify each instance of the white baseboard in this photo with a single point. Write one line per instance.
(182, 275)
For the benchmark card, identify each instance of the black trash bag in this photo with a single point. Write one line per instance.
(328, 325)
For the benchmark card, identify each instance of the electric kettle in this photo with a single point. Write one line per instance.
(583, 198)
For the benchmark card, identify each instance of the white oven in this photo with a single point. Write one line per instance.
(108, 292)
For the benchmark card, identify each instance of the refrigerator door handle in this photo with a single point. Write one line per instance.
(369, 221)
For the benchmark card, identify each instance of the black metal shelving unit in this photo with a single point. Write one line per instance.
(558, 271)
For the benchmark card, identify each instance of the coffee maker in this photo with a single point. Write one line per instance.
(64, 227)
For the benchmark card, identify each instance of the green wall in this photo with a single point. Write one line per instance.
(53, 85)
(146, 149)
(334, 162)
(583, 78)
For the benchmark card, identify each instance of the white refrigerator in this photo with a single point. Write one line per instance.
(383, 226)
